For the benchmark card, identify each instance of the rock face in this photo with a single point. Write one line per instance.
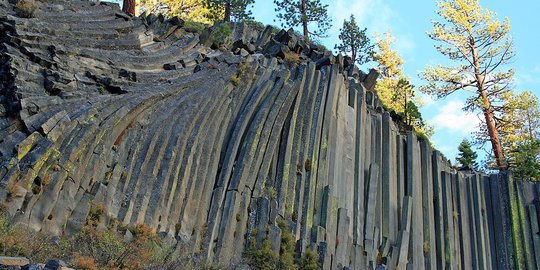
(212, 147)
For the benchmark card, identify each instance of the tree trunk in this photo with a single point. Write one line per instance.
(493, 133)
(488, 111)
(303, 12)
(129, 7)
(227, 16)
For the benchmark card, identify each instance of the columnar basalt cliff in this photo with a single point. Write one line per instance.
(212, 147)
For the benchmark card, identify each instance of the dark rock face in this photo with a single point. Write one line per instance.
(208, 146)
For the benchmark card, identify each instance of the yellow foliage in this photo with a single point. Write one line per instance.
(190, 10)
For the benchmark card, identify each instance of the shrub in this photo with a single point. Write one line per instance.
(221, 35)
(26, 8)
(292, 57)
(84, 263)
(102, 246)
(286, 249)
(264, 258)
(310, 261)
(259, 26)
(240, 72)
(194, 27)
(96, 211)
(275, 29)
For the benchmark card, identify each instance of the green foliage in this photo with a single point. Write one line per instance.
(26, 8)
(196, 27)
(221, 34)
(231, 10)
(259, 26)
(519, 127)
(263, 258)
(467, 156)
(310, 261)
(294, 13)
(526, 160)
(286, 249)
(355, 41)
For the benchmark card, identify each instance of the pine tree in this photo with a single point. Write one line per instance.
(519, 127)
(525, 160)
(467, 156)
(479, 44)
(232, 10)
(355, 41)
(394, 89)
(295, 13)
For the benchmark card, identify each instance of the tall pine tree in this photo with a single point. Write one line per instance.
(467, 156)
(355, 42)
(479, 45)
(295, 13)
(232, 10)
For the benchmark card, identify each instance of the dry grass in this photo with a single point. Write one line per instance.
(26, 8)
(84, 263)
(292, 57)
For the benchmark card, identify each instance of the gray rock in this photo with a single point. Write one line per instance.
(31, 267)
(244, 53)
(55, 265)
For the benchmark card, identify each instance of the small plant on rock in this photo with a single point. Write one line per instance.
(292, 58)
(221, 36)
(310, 261)
(26, 8)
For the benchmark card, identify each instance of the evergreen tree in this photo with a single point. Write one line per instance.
(519, 127)
(394, 89)
(390, 64)
(467, 156)
(232, 10)
(295, 13)
(525, 160)
(479, 44)
(354, 41)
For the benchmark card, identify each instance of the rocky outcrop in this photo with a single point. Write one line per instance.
(211, 147)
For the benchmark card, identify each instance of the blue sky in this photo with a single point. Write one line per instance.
(409, 21)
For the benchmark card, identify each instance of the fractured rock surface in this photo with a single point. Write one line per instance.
(212, 147)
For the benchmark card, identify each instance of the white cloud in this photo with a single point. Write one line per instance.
(452, 118)
(373, 14)
(404, 44)
(376, 15)
(427, 100)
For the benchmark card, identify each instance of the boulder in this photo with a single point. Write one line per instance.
(276, 49)
(371, 79)
(176, 21)
(31, 267)
(325, 61)
(55, 265)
